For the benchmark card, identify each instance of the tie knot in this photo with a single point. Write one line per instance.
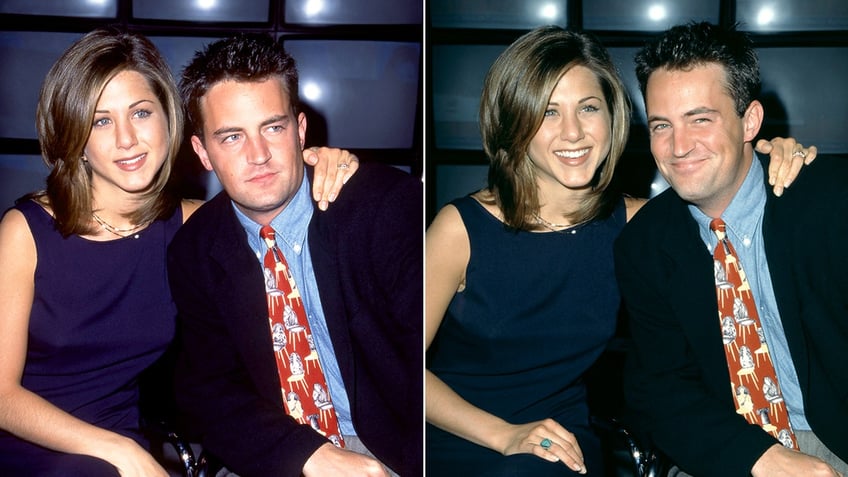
(718, 227)
(267, 233)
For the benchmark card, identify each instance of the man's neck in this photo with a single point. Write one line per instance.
(715, 206)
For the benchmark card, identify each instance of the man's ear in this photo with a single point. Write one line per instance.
(753, 120)
(197, 145)
(301, 129)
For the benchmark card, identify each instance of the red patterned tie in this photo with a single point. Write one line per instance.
(752, 375)
(302, 381)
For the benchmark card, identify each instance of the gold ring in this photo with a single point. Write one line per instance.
(343, 166)
(800, 153)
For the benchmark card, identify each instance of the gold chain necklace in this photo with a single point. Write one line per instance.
(115, 230)
(557, 227)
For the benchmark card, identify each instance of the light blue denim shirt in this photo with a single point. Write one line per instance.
(744, 219)
(291, 228)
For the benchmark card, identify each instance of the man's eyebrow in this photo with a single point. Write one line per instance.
(233, 129)
(690, 113)
(701, 110)
(276, 119)
(226, 130)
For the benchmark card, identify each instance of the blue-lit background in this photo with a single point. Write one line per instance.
(802, 45)
(360, 64)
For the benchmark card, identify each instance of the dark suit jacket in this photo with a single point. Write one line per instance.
(367, 254)
(677, 374)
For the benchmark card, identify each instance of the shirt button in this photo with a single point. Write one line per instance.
(746, 241)
(296, 248)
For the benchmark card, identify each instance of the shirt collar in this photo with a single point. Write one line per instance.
(290, 225)
(745, 211)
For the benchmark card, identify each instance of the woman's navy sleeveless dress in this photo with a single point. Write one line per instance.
(537, 311)
(102, 313)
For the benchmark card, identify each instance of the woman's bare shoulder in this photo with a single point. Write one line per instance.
(633, 204)
(189, 206)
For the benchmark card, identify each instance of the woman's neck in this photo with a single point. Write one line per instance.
(558, 204)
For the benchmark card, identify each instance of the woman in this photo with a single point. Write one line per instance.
(520, 284)
(85, 300)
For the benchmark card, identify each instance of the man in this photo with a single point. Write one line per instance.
(700, 84)
(355, 270)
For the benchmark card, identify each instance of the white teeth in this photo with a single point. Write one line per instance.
(132, 161)
(572, 154)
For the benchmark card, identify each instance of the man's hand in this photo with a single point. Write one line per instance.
(330, 460)
(778, 461)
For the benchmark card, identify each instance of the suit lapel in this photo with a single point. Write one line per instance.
(778, 252)
(692, 288)
(323, 246)
(240, 292)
